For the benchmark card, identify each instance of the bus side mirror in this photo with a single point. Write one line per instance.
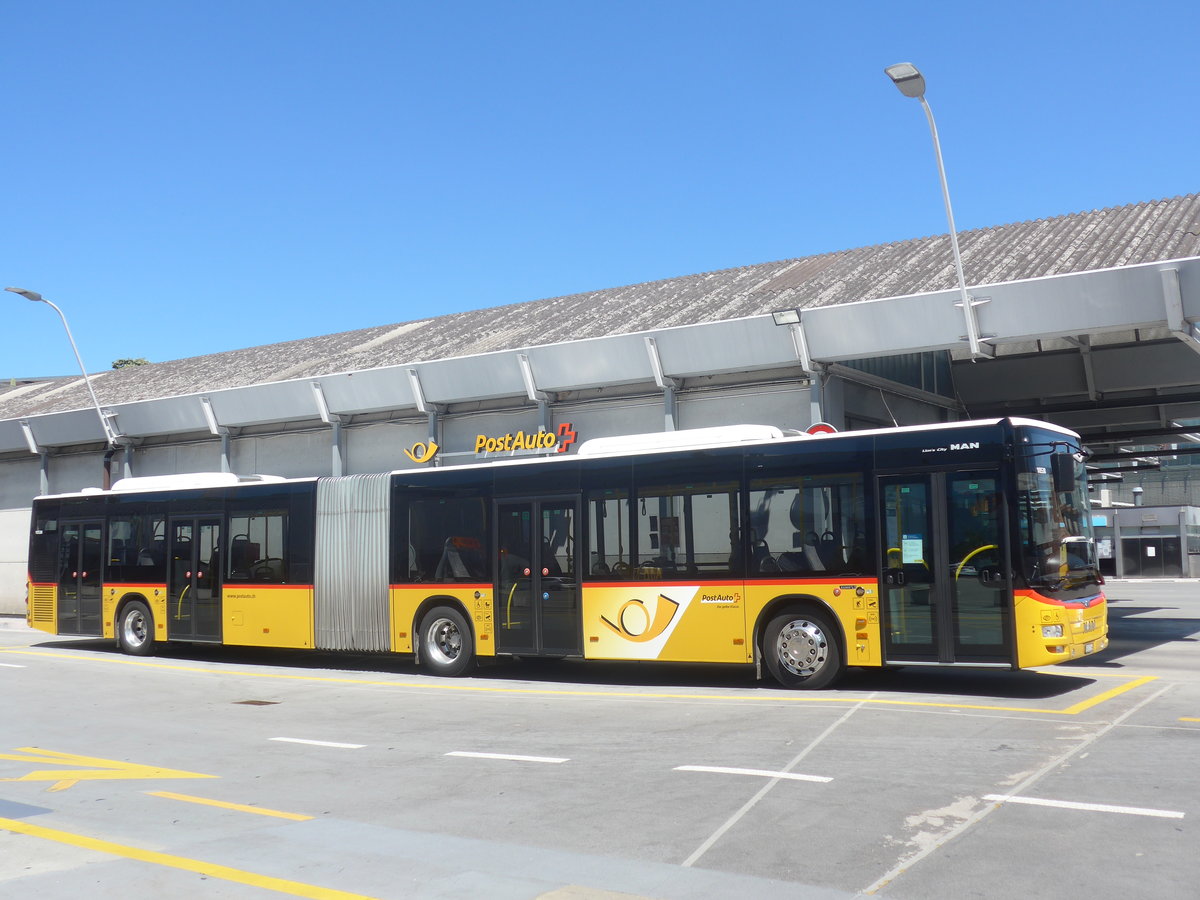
(1062, 465)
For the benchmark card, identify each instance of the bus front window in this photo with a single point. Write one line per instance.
(1058, 552)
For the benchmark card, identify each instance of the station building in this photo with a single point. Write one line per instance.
(1085, 320)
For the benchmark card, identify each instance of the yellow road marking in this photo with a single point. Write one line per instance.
(1187, 719)
(638, 695)
(239, 807)
(105, 769)
(1108, 695)
(210, 870)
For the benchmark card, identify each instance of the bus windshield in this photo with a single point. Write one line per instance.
(1057, 549)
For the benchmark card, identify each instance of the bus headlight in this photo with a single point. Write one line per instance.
(1052, 631)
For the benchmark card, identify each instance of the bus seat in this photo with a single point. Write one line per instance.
(829, 548)
(242, 554)
(807, 550)
(154, 555)
(460, 560)
(761, 559)
(793, 561)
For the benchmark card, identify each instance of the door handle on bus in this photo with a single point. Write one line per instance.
(990, 576)
(893, 576)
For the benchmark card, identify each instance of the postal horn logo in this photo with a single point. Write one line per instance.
(636, 622)
(420, 452)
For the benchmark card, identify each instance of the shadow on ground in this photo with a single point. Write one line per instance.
(677, 677)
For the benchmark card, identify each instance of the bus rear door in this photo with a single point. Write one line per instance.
(537, 589)
(80, 577)
(194, 579)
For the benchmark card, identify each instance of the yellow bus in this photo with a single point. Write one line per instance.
(962, 544)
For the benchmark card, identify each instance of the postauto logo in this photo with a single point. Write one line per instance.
(638, 623)
(534, 440)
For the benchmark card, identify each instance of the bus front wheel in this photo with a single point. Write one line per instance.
(802, 650)
(446, 642)
(135, 629)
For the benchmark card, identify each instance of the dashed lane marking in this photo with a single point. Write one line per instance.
(509, 756)
(1089, 807)
(334, 744)
(762, 773)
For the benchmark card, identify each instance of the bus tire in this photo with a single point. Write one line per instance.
(446, 644)
(135, 629)
(802, 650)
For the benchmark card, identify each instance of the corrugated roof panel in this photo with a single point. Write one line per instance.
(1144, 232)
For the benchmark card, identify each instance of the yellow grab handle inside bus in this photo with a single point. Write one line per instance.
(508, 610)
(958, 571)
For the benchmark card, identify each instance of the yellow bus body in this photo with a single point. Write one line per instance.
(716, 622)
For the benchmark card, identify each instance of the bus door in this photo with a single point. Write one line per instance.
(537, 607)
(80, 577)
(194, 579)
(945, 586)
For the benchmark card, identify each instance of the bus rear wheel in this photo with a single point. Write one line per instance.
(445, 642)
(802, 650)
(135, 629)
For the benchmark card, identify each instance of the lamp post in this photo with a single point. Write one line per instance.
(911, 83)
(110, 436)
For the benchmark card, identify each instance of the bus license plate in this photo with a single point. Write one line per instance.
(1088, 648)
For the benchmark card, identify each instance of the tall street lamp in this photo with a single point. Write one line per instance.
(110, 436)
(911, 83)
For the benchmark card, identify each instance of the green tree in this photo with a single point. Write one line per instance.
(123, 363)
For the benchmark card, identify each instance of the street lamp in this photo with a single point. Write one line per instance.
(911, 83)
(110, 436)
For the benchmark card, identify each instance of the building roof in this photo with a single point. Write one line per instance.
(1081, 242)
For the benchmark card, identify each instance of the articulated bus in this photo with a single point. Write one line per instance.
(963, 544)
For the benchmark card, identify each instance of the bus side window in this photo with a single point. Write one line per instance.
(809, 525)
(610, 549)
(134, 554)
(257, 548)
(447, 540)
(690, 530)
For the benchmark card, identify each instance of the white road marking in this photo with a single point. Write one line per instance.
(1090, 807)
(764, 773)
(320, 743)
(11, 666)
(510, 756)
(765, 789)
(908, 862)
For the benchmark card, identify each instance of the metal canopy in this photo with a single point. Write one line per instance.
(1127, 339)
(1121, 300)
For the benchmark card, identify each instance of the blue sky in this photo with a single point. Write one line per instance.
(189, 176)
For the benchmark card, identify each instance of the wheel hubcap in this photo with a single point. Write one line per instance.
(802, 647)
(135, 628)
(445, 639)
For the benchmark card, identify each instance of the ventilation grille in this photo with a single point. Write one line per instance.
(41, 603)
